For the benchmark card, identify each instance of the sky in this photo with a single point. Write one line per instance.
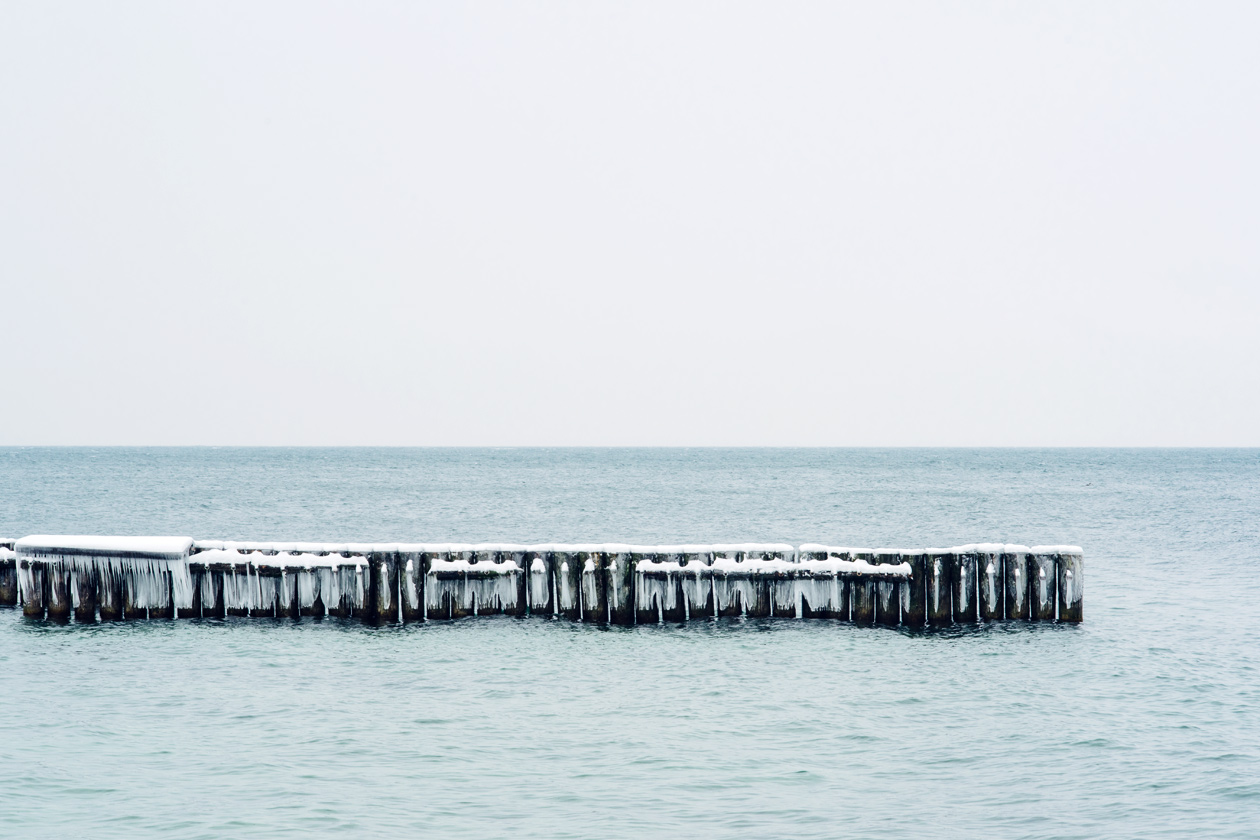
(587, 223)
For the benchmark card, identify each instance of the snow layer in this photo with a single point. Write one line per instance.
(216, 556)
(157, 548)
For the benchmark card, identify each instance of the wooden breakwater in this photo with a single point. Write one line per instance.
(120, 578)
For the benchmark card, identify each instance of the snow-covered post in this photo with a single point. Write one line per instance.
(1015, 567)
(411, 583)
(84, 582)
(783, 585)
(990, 579)
(32, 585)
(914, 590)
(887, 591)
(824, 591)
(383, 595)
(1071, 584)
(658, 586)
(355, 582)
(196, 573)
(964, 585)
(940, 574)
(211, 594)
(739, 589)
(287, 605)
(1042, 577)
(541, 590)
(264, 585)
(162, 604)
(109, 593)
(60, 600)
(135, 595)
(514, 555)
(236, 581)
(567, 574)
(863, 589)
(619, 592)
(8, 575)
(697, 582)
(594, 584)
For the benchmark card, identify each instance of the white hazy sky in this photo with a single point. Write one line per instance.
(638, 223)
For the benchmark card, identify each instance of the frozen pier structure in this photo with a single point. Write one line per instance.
(111, 578)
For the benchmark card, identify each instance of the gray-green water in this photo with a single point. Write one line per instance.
(1143, 722)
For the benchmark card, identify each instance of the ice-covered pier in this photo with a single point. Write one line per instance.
(119, 578)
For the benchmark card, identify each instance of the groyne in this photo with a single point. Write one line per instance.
(88, 579)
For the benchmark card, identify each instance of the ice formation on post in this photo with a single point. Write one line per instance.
(147, 573)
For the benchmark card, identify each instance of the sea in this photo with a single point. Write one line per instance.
(1141, 722)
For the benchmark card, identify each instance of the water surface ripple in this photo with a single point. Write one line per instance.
(1142, 722)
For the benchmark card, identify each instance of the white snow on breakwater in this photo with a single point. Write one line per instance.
(783, 551)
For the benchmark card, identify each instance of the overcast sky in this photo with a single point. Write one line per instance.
(635, 223)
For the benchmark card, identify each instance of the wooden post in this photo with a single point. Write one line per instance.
(356, 580)
(567, 572)
(964, 587)
(236, 583)
(165, 607)
(648, 589)
(8, 583)
(109, 591)
(495, 590)
(519, 606)
(335, 585)
(594, 586)
(697, 584)
(84, 582)
(940, 602)
(383, 604)
(887, 592)
(863, 592)
(541, 584)
(738, 589)
(1015, 567)
(914, 590)
(263, 590)
(658, 588)
(33, 584)
(1042, 578)
(135, 595)
(619, 592)
(60, 598)
(990, 579)
(286, 594)
(824, 594)
(196, 572)
(411, 585)
(783, 591)
(1071, 586)
(212, 600)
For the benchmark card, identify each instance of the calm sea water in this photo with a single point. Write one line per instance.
(1143, 722)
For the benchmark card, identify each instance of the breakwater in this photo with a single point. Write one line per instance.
(87, 579)
(93, 578)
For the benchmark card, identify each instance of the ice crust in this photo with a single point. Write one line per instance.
(153, 571)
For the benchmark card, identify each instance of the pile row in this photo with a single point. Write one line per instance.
(127, 578)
